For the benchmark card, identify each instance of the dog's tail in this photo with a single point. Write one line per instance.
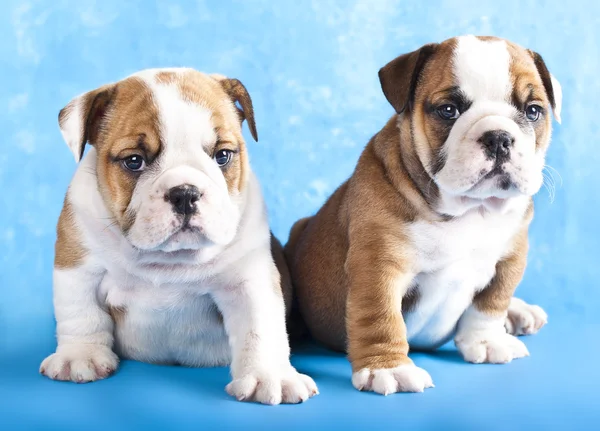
(296, 327)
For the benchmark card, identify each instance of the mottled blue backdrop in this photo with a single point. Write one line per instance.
(311, 68)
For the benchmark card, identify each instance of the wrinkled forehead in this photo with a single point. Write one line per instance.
(485, 68)
(188, 107)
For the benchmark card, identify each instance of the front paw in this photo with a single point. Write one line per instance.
(271, 387)
(80, 363)
(494, 347)
(385, 381)
(524, 318)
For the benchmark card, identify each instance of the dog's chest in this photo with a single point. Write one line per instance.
(454, 260)
(165, 323)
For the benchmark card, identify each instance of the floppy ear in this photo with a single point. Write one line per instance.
(400, 76)
(551, 85)
(238, 93)
(80, 120)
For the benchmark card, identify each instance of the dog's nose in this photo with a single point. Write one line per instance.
(183, 198)
(497, 142)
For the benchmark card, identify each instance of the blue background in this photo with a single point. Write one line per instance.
(311, 68)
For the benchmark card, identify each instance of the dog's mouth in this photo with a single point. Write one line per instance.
(501, 182)
(183, 238)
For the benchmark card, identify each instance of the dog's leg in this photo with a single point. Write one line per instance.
(254, 317)
(377, 343)
(524, 318)
(84, 330)
(481, 335)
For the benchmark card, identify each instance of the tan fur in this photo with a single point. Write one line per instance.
(351, 262)
(122, 119)
(118, 314)
(131, 128)
(69, 252)
(495, 298)
(210, 92)
(526, 83)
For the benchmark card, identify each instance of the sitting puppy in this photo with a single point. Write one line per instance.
(427, 240)
(164, 253)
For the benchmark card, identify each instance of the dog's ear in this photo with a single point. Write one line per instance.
(399, 78)
(238, 94)
(80, 120)
(551, 85)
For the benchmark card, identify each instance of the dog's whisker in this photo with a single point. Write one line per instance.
(551, 171)
(550, 185)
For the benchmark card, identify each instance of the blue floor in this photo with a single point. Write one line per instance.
(555, 388)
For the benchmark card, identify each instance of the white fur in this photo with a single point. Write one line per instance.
(483, 338)
(72, 128)
(558, 96)
(482, 70)
(185, 129)
(385, 381)
(455, 260)
(524, 318)
(196, 299)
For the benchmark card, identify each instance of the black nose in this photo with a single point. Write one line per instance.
(497, 142)
(184, 198)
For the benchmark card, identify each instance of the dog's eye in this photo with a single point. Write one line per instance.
(532, 112)
(134, 163)
(448, 112)
(222, 157)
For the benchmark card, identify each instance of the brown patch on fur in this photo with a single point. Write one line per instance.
(413, 83)
(238, 93)
(119, 120)
(68, 250)
(528, 86)
(117, 313)
(351, 262)
(347, 260)
(93, 106)
(131, 129)
(495, 298)
(165, 77)
(429, 131)
(211, 93)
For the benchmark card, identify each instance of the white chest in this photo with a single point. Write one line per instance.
(165, 323)
(454, 260)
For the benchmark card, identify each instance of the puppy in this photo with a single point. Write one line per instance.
(427, 240)
(164, 253)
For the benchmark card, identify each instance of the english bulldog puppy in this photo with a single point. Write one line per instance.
(164, 252)
(427, 240)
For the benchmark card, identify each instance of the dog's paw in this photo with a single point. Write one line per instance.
(524, 318)
(492, 347)
(268, 387)
(385, 381)
(80, 363)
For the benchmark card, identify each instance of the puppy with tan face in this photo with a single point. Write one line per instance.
(164, 253)
(427, 240)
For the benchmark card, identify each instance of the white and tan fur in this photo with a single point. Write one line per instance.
(425, 242)
(205, 295)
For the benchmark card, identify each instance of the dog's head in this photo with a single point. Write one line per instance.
(171, 162)
(480, 114)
